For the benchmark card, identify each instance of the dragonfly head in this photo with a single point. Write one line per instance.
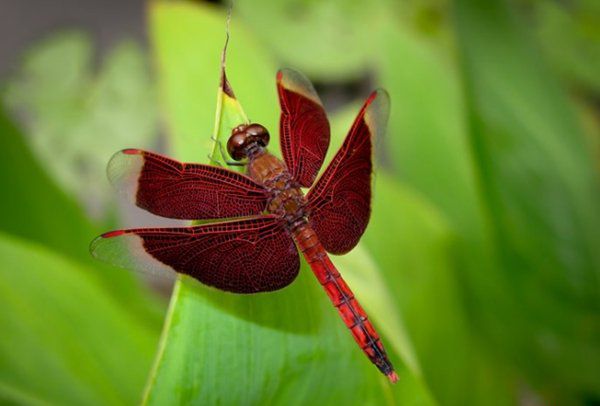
(246, 137)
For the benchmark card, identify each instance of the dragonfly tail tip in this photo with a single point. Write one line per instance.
(393, 377)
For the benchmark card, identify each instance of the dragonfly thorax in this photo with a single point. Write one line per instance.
(288, 203)
(287, 199)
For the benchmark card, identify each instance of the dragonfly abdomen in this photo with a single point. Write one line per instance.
(343, 299)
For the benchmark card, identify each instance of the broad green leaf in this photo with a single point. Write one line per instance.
(428, 134)
(430, 151)
(328, 40)
(76, 118)
(411, 243)
(64, 339)
(570, 38)
(362, 273)
(280, 348)
(540, 189)
(286, 347)
(36, 209)
(590, 123)
(416, 249)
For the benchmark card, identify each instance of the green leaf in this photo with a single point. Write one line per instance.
(427, 124)
(39, 211)
(431, 153)
(229, 112)
(76, 118)
(569, 36)
(361, 272)
(411, 243)
(415, 247)
(64, 339)
(279, 348)
(189, 70)
(416, 251)
(541, 191)
(329, 40)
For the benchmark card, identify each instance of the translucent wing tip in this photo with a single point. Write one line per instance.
(377, 112)
(380, 94)
(298, 83)
(379, 100)
(93, 245)
(98, 243)
(123, 171)
(112, 248)
(125, 249)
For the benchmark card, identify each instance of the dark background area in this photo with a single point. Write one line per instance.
(24, 22)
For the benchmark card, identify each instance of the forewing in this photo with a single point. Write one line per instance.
(303, 127)
(177, 190)
(246, 256)
(339, 204)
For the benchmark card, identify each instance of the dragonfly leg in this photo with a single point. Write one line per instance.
(213, 161)
(233, 163)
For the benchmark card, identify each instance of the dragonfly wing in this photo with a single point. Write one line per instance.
(245, 256)
(177, 190)
(340, 202)
(303, 126)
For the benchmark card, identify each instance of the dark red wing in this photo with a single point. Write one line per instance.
(303, 127)
(247, 256)
(339, 204)
(185, 191)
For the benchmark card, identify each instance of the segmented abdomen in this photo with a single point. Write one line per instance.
(343, 299)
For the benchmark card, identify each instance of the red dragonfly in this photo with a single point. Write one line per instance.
(259, 252)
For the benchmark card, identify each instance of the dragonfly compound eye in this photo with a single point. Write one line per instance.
(236, 145)
(258, 133)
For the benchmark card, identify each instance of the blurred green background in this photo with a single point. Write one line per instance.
(481, 263)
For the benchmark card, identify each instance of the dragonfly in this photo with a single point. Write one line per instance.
(257, 222)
